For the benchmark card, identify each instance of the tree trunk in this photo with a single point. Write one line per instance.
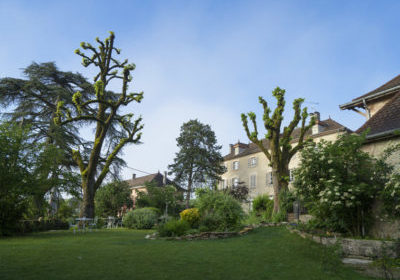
(189, 191)
(87, 208)
(279, 184)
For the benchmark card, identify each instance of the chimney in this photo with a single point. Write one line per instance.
(133, 176)
(165, 178)
(231, 145)
(317, 117)
(317, 127)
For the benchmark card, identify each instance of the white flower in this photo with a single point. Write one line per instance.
(330, 161)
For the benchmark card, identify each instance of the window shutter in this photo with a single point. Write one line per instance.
(249, 162)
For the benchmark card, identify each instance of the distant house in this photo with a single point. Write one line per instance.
(138, 184)
(381, 108)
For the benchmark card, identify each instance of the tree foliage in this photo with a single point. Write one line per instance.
(276, 145)
(239, 192)
(33, 103)
(112, 130)
(112, 197)
(167, 198)
(21, 168)
(199, 160)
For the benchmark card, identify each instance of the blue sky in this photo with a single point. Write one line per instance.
(211, 60)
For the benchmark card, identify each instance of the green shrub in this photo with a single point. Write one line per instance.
(41, 225)
(219, 211)
(142, 218)
(173, 228)
(263, 206)
(191, 215)
(261, 203)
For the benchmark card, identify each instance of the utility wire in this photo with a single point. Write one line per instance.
(139, 170)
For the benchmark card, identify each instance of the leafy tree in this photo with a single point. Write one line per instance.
(167, 199)
(277, 147)
(112, 197)
(339, 183)
(112, 130)
(34, 103)
(199, 159)
(20, 174)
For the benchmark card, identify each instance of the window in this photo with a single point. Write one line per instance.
(253, 181)
(223, 184)
(235, 182)
(235, 165)
(269, 178)
(252, 162)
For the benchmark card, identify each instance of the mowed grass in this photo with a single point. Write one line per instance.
(267, 253)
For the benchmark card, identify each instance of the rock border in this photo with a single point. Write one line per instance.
(215, 234)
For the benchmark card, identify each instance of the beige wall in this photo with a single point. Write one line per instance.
(376, 149)
(260, 170)
(135, 191)
(377, 105)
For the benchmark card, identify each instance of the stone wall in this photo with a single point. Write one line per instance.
(356, 247)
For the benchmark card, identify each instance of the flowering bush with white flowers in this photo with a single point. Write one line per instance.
(391, 194)
(339, 182)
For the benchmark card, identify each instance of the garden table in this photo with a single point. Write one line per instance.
(84, 220)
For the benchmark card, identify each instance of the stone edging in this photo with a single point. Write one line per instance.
(216, 235)
(370, 249)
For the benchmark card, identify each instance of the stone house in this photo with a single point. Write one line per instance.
(381, 108)
(247, 163)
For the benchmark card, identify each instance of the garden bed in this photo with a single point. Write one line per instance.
(215, 235)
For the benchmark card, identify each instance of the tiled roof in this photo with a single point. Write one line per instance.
(385, 120)
(386, 90)
(330, 126)
(140, 181)
(392, 83)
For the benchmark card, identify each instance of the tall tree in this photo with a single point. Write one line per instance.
(112, 130)
(199, 159)
(33, 103)
(277, 147)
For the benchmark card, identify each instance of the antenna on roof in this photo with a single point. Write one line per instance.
(312, 103)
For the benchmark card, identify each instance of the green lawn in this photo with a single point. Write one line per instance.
(267, 253)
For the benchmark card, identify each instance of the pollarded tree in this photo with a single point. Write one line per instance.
(276, 144)
(199, 159)
(112, 130)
